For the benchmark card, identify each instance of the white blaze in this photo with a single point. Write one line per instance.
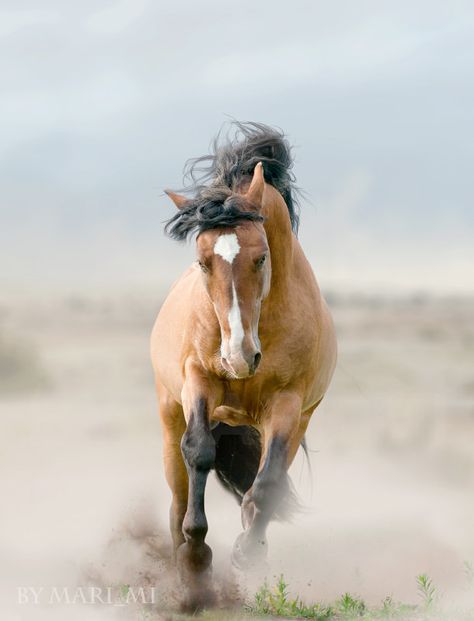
(227, 246)
(235, 323)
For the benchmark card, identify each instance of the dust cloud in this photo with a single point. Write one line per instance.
(84, 497)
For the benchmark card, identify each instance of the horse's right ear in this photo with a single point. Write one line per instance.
(255, 191)
(178, 200)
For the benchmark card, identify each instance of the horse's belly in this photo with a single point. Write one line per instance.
(326, 361)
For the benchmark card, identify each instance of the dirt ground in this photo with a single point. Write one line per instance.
(84, 499)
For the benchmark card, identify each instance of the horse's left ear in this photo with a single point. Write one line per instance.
(178, 200)
(255, 191)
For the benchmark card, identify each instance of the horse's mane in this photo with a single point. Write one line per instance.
(214, 178)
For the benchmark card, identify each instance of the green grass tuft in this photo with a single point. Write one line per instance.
(276, 601)
(426, 590)
(351, 605)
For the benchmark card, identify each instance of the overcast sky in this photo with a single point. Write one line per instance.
(101, 103)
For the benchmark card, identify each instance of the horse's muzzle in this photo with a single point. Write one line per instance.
(242, 366)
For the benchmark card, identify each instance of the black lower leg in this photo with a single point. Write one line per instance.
(261, 503)
(270, 486)
(198, 448)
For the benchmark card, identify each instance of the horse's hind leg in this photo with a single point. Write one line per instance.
(174, 426)
(283, 432)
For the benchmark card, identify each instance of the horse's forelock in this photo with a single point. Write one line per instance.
(202, 215)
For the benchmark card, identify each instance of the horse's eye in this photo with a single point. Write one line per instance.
(203, 267)
(261, 261)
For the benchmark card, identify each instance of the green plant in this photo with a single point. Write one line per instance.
(426, 590)
(262, 597)
(391, 608)
(351, 605)
(276, 601)
(388, 606)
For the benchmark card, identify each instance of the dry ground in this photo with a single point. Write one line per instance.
(84, 499)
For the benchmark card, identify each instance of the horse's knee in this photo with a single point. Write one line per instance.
(198, 446)
(199, 451)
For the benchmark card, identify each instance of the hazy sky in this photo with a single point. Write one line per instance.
(102, 102)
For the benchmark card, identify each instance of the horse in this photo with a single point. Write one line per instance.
(243, 348)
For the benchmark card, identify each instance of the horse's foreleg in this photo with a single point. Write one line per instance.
(173, 426)
(283, 429)
(199, 452)
(194, 556)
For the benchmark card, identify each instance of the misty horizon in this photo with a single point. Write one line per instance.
(101, 108)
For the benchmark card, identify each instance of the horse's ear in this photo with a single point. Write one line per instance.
(255, 191)
(178, 200)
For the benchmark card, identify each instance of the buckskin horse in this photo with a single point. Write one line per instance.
(243, 348)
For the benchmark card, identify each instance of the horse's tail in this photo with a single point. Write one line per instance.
(238, 453)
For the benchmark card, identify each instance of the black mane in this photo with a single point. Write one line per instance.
(215, 177)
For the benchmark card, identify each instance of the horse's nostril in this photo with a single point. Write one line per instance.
(256, 360)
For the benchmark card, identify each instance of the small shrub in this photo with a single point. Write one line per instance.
(21, 371)
(388, 606)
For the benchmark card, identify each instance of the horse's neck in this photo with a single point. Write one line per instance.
(281, 243)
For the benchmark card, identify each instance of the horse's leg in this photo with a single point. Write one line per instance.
(174, 426)
(194, 556)
(283, 431)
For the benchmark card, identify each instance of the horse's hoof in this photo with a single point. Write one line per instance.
(248, 554)
(194, 559)
(194, 600)
(195, 576)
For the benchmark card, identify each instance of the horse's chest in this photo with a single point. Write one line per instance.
(242, 404)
